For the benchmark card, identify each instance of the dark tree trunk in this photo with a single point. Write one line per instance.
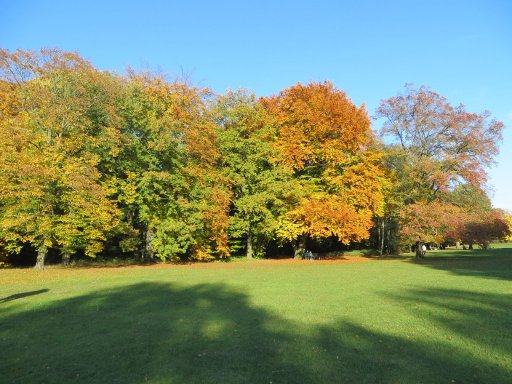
(41, 256)
(66, 257)
(389, 250)
(299, 247)
(419, 250)
(250, 250)
(381, 236)
(148, 249)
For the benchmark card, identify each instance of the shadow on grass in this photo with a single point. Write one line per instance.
(22, 295)
(160, 333)
(495, 263)
(483, 318)
(469, 325)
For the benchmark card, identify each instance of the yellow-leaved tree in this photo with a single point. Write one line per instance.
(508, 220)
(56, 122)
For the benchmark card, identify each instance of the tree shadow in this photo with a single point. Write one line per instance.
(471, 326)
(145, 332)
(210, 333)
(492, 263)
(21, 295)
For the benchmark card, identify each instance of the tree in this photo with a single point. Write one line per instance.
(468, 198)
(481, 229)
(257, 183)
(55, 123)
(466, 215)
(434, 148)
(168, 183)
(508, 219)
(327, 143)
(432, 222)
(443, 145)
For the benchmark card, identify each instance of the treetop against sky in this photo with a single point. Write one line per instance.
(369, 49)
(96, 162)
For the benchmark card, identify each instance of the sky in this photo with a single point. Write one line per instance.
(369, 49)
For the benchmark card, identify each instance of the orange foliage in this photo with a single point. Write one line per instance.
(329, 215)
(327, 142)
(432, 222)
(318, 123)
(439, 222)
(444, 144)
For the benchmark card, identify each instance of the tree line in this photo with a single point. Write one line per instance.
(93, 161)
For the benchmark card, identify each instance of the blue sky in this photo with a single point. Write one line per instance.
(370, 49)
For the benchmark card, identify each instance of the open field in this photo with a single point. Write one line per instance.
(446, 319)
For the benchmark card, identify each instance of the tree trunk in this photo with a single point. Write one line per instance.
(148, 250)
(41, 256)
(66, 257)
(389, 251)
(381, 232)
(250, 251)
(299, 247)
(419, 250)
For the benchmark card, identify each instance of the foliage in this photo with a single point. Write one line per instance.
(55, 123)
(93, 162)
(257, 183)
(508, 220)
(169, 181)
(485, 227)
(431, 223)
(438, 222)
(438, 156)
(327, 142)
(444, 144)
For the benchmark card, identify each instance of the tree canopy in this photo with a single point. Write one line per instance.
(439, 156)
(97, 163)
(327, 143)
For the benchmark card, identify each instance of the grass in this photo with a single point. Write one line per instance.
(446, 319)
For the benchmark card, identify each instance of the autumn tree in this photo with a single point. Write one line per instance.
(327, 143)
(258, 184)
(468, 197)
(444, 145)
(434, 146)
(433, 222)
(483, 229)
(167, 182)
(55, 122)
(508, 220)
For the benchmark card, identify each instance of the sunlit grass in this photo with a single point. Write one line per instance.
(443, 319)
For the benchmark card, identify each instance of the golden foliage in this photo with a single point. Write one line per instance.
(328, 143)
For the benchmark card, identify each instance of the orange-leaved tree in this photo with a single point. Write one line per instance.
(327, 143)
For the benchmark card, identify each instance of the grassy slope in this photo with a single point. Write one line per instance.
(446, 319)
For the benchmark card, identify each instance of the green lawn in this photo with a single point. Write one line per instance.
(447, 319)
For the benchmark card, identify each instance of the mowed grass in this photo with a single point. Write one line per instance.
(447, 319)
